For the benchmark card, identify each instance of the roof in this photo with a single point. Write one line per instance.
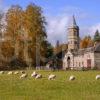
(95, 49)
(73, 23)
(60, 48)
(60, 51)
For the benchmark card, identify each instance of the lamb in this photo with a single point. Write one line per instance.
(38, 76)
(16, 72)
(51, 77)
(1, 72)
(10, 73)
(34, 74)
(71, 78)
(23, 76)
(97, 77)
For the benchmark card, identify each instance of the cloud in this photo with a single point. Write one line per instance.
(94, 28)
(56, 28)
(58, 24)
(89, 30)
(1, 2)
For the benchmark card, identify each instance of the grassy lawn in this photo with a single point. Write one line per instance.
(85, 87)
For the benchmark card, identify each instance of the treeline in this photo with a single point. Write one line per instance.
(23, 37)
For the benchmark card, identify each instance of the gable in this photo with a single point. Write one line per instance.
(68, 54)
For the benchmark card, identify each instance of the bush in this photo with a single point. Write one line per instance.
(94, 68)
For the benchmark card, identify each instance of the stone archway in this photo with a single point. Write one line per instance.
(68, 62)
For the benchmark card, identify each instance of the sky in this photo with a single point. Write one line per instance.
(58, 15)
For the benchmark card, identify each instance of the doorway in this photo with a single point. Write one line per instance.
(89, 63)
(68, 62)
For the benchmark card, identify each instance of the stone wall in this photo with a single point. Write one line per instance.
(97, 60)
(81, 60)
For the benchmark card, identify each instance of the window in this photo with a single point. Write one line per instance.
(75, 42)
(76, 64)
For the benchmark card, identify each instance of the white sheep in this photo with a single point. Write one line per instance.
(51, 77)
(10, 73)
(34, 74)
(38, 76)
(23, 76)
(97, 77)
(22, 72)
(72, 68)
(71, 78)
(1, 72)
(16, 72)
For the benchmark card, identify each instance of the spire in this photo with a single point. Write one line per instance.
(73, 21)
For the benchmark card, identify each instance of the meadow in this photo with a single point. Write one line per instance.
(84, 87)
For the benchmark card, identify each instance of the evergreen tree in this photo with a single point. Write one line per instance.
(97, 36)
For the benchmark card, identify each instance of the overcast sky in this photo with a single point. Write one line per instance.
(58, 14)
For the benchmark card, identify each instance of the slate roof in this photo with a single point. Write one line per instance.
(95, 49)
(73, 23)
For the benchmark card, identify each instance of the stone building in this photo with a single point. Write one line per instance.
(79, 58)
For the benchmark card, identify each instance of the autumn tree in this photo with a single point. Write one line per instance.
(1, 23)
(86, 42)
(35, 27)
(27, 34)
(13, 20)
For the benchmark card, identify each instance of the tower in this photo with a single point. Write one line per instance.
(73, 35)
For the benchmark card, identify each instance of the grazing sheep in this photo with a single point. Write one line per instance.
(38, 76)
(10, 73)
(71, 78)
(34, 74)
(1, 72)
(22, 72)
(97, 77)
(51, 77)
(16, 72)
(72, 68)
(23, 76)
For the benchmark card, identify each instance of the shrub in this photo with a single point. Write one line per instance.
(94, 68)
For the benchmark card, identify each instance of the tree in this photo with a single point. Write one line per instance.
(26, 35)
(7, 49)
(97, 36)
(86, 42)
(1, 23)
(14, 25)
(35, 27)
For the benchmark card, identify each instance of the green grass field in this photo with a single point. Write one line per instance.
(85, 87)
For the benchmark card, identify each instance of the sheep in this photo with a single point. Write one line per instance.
(10, 73)
(72, 68)
(97, 77)
(34, 74)
(51, 77)
(71, 78)
(38, 76)
(16, 72)
(23, 76)
(1, 72)
(22, 72)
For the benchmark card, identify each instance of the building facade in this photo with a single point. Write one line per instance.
(76, 57)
